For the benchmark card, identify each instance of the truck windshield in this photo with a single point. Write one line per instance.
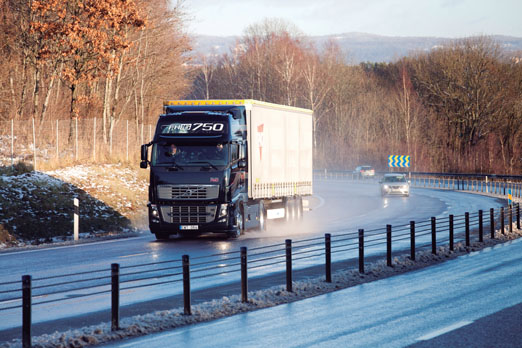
(186, 155)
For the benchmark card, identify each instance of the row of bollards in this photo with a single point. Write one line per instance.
(115, 268)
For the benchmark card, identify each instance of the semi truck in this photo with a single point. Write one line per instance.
(225, 166)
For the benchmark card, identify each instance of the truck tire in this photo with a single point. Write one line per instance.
(160, 235)
(299, 208)
(289, 209)
(239, 218)
(262, 217)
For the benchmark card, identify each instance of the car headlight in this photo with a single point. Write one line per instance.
(386, 187)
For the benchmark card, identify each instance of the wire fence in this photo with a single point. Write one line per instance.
(62, 141)
(234, 266)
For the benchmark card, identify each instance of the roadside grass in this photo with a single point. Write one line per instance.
(37, 207)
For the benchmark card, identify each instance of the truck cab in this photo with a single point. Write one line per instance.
(197, 170)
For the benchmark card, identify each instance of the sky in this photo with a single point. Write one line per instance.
(435, 18)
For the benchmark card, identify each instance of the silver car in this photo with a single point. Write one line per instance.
(395, 184)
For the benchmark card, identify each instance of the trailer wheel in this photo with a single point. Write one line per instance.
(289, 209)
(239, 221)
(262, 217)
(299, 209)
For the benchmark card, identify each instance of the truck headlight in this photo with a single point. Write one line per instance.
(223, 209)
(154, 212)
(386, 187)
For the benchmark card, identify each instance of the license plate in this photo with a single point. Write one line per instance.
(188, 227)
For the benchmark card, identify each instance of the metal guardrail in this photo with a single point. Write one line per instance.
(480, 183)
(33, 292)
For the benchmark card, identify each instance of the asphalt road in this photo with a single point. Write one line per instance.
(336, 207)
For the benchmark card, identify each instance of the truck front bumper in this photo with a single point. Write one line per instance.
(190, 219)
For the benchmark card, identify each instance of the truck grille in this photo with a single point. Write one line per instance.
(188, 214)
(188, 192)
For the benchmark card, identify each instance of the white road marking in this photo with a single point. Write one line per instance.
(69, 246)
(444, 330)
(125, 256)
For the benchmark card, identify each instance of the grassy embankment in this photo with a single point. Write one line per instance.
(37, 207)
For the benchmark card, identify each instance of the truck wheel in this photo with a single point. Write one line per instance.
(299, 209)
(262, 217)
(289, 209)
(239, 220)
(160, 235)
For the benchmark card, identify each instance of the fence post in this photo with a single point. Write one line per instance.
(57, 139)
(76, 219)
(433, 235)
(481, 226)
(518, 216)
(94, 141)
(34, 147)
(115, 296)
(288, 248)
(76, 139)
(388, 245)
(328, 256)
(26, 311)
(502, 220)
(492, 222)
(510, 218)
(186, 284)
(451, 237)
(361, 250)
(12, 143)
(466, 215)
(244, 277)
(412, 240)
(127, 140)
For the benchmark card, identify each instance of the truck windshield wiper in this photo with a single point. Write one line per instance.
(175, 166)
(206, 162)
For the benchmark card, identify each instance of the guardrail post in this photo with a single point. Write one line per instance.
(361, 250)
(412, 240)
(186, 284)
(115, 296)
(26, 311)
(288, 248)
(492, 222)
(466, 218)
(389, 245)
(481, 226)
(502, 220)
(76, 231)
(451, 230)
(518, 215)
(328, 256)
(244, 276)
(433, 235)
(510, 218)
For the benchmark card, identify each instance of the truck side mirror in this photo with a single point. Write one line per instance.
(144, 156)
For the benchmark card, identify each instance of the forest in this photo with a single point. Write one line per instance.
(456, 108)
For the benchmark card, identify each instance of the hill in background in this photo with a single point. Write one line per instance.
(358, 47)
